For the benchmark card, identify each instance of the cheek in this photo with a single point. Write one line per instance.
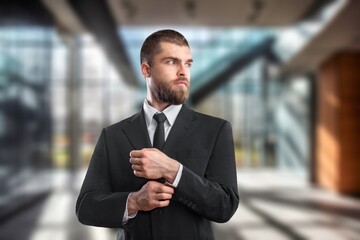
(166, 73)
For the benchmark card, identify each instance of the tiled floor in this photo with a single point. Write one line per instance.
(278, 206)
(274, 206)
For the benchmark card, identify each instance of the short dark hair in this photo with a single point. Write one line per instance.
(151, 45)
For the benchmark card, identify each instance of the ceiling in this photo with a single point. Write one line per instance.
(341, 34)
(210, 12)
(103, 18)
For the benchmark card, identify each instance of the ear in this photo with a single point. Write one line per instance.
(145, 69)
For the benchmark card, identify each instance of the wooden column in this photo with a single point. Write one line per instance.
(337, 147)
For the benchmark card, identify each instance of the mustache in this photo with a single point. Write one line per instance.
(182, 79)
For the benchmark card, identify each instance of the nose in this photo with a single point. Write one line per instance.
(183, 70)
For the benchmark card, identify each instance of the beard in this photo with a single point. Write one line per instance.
(164, 92)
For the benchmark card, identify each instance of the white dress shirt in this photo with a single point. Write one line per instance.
(171, 113)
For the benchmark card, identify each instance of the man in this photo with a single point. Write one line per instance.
(167, 171)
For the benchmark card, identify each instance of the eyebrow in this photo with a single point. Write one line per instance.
(177, 59)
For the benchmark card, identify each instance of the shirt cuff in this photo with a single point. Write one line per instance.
(126, 216)
(177, 178)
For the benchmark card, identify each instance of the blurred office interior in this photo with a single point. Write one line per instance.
(285, 73)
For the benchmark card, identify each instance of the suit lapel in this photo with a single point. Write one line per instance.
(136, 131)
(184, 125)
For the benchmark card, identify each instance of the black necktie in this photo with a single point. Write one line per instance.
(159, 136)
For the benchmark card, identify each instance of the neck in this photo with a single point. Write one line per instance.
(160, 106)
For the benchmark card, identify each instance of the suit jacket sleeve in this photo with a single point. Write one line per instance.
(97, 205)
(214, 195)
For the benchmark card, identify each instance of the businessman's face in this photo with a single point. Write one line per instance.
(169, 74)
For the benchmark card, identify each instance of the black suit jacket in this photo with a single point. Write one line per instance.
(206, 192)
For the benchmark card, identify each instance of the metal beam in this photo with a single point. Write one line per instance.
(97, 19)
(16, 12)
(315, 8)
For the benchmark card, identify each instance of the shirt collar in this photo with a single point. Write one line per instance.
(170, 112)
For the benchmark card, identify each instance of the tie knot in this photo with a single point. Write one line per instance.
(159, 117)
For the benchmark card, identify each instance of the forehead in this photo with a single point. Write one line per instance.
(174, 50)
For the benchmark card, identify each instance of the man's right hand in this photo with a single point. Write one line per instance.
(152, 195)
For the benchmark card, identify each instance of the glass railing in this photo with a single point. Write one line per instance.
(216, 62)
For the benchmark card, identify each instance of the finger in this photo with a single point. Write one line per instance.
(136, 167)
(161, 188)
(164, 203)
(135, 153)
(163, 196)
(167, 189)
(155, 185)
(138, 173)
(135, 160)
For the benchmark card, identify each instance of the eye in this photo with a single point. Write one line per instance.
(171, 62)
(189, 64)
